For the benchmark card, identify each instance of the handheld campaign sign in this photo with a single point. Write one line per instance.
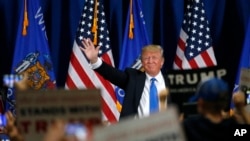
(162, 126)
(245, 83)
(36, 110)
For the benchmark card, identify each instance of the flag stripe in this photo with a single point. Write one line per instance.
(77, 68)
(193, 63)
(84, 78)
(194, 49)
(80, 74)
(107, 111)
(70, 82)
(108, 87)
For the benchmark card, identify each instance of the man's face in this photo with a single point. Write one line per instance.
(152, 62)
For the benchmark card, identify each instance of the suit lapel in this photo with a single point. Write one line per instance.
(140, 79)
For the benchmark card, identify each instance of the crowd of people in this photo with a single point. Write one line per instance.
(212, 97)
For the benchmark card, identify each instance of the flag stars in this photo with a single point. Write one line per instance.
(194, 23)
(81, 30)
(195, 16)
(203, 11)
(200, 41)
(191, 54)
(195, 26)
(100, 44)
(194, 31)
(201, 26)
(90, 17)
(83, 23)
(184, 21)
(192, 38)
(101, 36)
(200, 34)
(102, 21)
(80, 38)
(202, 19)
(103, 14)
(107, 46)
(102, 29)
(87, 24)
(85, 7)
(199, 49)
(90, 9)
(206, 44)
(196, 8)
(191, 46)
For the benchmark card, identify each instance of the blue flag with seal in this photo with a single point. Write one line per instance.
(244, 60)
(135, 37)
(31, 55)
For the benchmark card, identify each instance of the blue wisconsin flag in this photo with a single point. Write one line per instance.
(244, 60)
(32, 55)
(135, 37)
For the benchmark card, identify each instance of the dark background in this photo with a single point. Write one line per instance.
(228, 20)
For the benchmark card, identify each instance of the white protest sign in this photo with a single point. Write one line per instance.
(163, 126)
(245, 78)
(36, 110)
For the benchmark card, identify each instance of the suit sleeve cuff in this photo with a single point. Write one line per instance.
(97, 64)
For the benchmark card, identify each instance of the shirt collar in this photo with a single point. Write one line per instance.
(158, 77)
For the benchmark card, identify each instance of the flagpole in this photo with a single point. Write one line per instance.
(25, 20)
(131, 23)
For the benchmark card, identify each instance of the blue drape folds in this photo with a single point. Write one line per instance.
(228, 20)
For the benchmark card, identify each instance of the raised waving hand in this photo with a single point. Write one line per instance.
(91, 52)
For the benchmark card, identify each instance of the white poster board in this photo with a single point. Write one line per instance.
(36, 110)
(245, 78)
(163, 126)
(244, 85)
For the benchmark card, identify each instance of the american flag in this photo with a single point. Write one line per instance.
(93, 25)
(194, 49)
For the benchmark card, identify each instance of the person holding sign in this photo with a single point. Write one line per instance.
(212, 98)
(138, 85)
(11, 129)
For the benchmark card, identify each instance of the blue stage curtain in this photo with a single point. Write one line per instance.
(228, 21)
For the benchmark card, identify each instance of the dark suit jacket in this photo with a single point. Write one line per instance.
(131, 81)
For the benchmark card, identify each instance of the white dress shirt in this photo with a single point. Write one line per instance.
(143, 109)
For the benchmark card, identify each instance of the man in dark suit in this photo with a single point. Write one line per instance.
(135, 83)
